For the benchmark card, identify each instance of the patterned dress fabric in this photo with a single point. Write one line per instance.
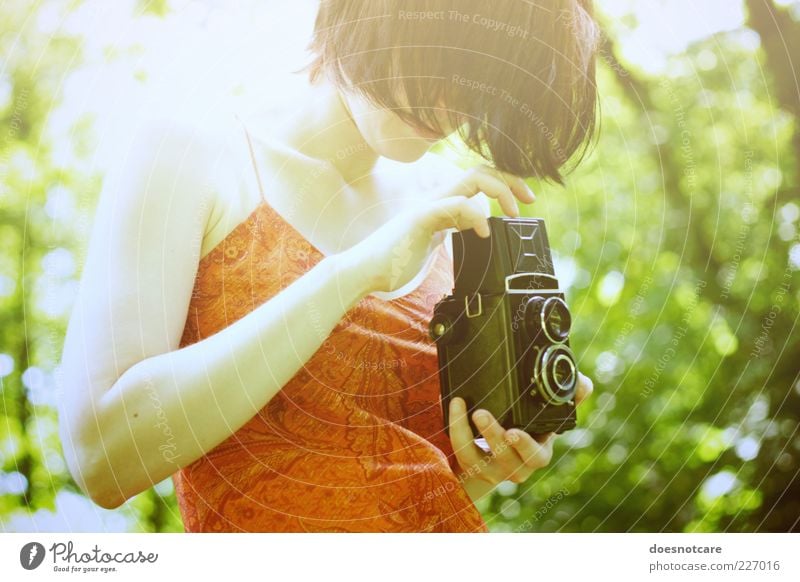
(355, 441)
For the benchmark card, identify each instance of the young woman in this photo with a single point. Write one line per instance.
(253, 312)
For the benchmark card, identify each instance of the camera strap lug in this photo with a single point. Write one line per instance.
(467, 302)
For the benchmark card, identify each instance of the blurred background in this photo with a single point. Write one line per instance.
(677, 242)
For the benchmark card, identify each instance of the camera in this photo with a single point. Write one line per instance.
(502, 336)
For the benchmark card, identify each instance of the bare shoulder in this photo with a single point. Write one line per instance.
(212, 167)
(198, 143)
(196, 154)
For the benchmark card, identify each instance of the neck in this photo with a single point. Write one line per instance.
(328, 132)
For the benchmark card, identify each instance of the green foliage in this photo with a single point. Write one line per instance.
(677, 242)
(686, 303)
(155, 7)
(45, 207)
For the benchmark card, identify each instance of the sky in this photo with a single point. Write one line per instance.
(666, 27)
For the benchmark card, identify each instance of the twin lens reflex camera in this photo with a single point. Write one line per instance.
(502, 336)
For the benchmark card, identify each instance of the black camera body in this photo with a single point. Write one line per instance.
(502, 336)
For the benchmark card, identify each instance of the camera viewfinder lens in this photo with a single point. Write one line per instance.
(557, 319)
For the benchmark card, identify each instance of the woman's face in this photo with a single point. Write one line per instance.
(386, 133)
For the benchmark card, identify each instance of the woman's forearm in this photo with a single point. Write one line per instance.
(167, 411)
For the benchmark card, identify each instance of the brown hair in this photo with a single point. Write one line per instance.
(516, 77)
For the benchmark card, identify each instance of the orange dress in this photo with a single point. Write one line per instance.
(355, 441)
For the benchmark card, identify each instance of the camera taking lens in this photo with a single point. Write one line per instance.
(554, 376)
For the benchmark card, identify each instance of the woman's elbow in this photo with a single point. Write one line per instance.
(95, 479)
(105, 497)
(91, 468)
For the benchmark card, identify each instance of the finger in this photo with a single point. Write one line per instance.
(525, 470)
(534, 455)
(584, 389)
(517, 185)
(521, 473)
(461, 435)
(492, 186)
(494, 434)
(459, 212)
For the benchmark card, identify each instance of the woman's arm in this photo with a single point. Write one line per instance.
(135, 408)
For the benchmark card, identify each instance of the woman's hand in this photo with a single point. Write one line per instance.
(514, 454)
(392, 255)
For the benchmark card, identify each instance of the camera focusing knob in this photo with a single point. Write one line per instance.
(534, 310)
(443, 329)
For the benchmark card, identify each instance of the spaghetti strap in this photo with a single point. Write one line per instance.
(252, 158)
